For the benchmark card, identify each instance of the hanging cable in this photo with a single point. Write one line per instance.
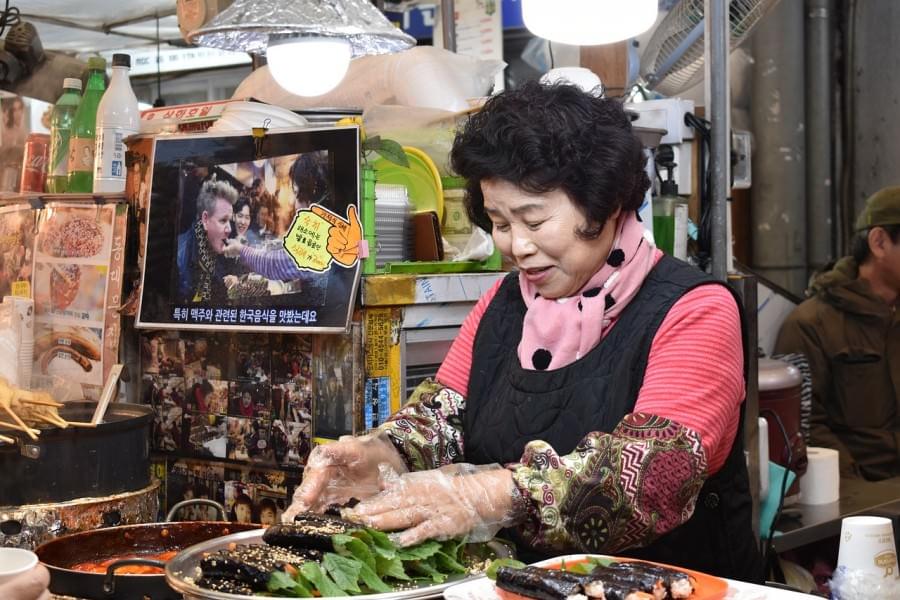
(703, 129)
(8, 18)
(159, 99)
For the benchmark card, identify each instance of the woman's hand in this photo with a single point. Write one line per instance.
(454, 501)
(27, 586)
(348, 468)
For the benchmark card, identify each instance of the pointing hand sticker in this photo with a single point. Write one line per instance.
(317, 236)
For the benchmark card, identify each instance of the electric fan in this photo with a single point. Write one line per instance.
(673, 58)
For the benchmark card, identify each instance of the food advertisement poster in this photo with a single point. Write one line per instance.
(253, 233)
(17, 230)
(67, 257)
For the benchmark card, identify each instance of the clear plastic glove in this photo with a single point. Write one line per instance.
(348, 468)
(453, 501)
(27, 586)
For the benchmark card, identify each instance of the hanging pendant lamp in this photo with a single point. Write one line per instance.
(308, 43)
(588, 22)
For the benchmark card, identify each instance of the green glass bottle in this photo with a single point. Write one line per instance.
(81, 142)
(60, 131)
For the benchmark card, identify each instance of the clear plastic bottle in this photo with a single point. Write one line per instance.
(60, 129)
(117, 118)
(670, 220)
(81, 142)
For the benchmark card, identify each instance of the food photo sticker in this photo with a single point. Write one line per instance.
(76, 233)
(70, 291)
(16, 250)
(255, 239)
(69, 352)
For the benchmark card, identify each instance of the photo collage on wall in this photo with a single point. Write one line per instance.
(249, 494)
(239, 397)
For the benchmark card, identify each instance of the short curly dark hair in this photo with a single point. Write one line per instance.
(549, 137)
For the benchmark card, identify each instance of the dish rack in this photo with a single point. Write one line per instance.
(386, 225)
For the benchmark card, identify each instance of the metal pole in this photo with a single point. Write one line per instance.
(716, 65)
(448, 24)
(820, 222)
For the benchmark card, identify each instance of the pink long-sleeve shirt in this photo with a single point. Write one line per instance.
(694, 373)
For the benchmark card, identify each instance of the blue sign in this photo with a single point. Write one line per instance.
(419, 21)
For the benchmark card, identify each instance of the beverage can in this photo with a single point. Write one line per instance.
(34, 162)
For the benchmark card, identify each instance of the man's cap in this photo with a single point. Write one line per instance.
(882, 208)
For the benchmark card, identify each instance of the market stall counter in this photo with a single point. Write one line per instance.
(802, 524)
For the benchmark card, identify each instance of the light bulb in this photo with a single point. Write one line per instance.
(588, 22)
(308, 66)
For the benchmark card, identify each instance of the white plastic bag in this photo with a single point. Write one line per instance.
(421, 76)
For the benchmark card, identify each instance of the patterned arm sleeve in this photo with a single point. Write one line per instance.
(614, 491)
(428, 430)
(271, 264)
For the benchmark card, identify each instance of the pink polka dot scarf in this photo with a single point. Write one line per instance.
(558, 332)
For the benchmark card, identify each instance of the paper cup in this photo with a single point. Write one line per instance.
(14, 562)
(867, 545)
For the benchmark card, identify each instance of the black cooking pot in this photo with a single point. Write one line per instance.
(79, 462)
(102, 544)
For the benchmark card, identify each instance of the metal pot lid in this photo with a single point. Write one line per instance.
(778, 375)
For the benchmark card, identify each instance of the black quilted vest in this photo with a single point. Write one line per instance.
(508, 406)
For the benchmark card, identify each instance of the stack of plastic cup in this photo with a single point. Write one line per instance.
(867, 560)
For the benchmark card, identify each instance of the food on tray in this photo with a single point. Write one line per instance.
(252, 565)
(249, 286)
(535, 582)
(64, 280)
(308, 531)
(72, 238)
(100, 566)
(613, 581)
(321, 555)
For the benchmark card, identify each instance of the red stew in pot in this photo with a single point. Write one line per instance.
(100, 566)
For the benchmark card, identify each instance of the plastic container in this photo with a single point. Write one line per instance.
(670, 212)
(60, 131)
(117, 118)
(81, 143)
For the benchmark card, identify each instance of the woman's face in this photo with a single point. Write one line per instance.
(538, 232)
(246, 400)
(243, 513)
(267, 516)
(242, 220)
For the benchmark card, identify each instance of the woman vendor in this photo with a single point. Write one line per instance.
(592, 400)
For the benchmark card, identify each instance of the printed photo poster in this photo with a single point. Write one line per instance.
(17, 232)
(256, 496)
(77, 287)
(195, 479)
(253, 235)
(337, 384)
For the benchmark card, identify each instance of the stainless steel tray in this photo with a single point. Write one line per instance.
(184, 569)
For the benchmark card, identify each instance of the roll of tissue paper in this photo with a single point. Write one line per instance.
(822, 482)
